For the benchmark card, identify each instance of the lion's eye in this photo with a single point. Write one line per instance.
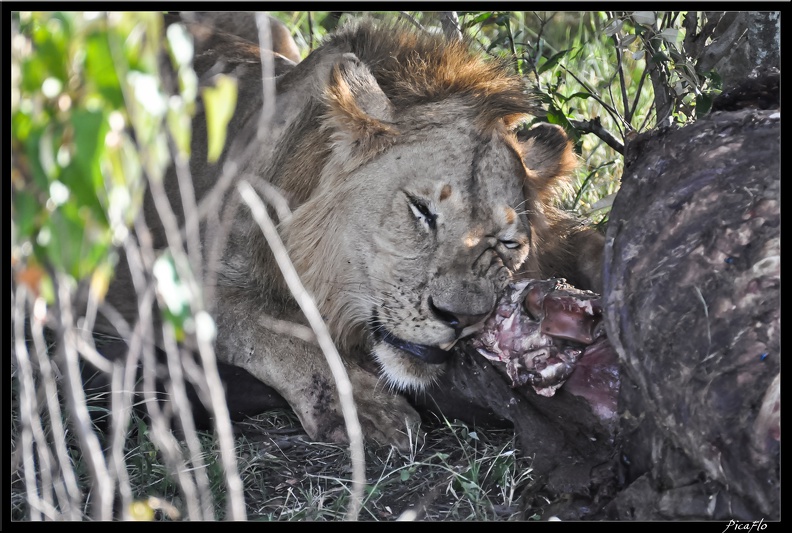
(511, 245)
(423, 213)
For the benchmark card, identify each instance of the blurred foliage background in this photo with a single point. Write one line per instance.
(93, 125)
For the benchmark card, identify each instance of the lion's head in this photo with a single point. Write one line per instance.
(416, 199)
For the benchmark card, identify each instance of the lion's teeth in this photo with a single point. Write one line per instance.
(448, 346)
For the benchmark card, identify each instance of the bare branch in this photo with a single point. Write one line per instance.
(267, 69)
(690, 23)
(449, 21)
(75, 396)
(310, 32)
(726, 42)
(122, 386)
(595, 126)
(71, 502)
(28, 405)
(512, 48)
(658, 74)
(638, 92)
(622, 85)
(411, 19)
(609, 108)
(285, 327)
(222, 423)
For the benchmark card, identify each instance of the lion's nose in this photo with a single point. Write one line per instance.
(455, 319)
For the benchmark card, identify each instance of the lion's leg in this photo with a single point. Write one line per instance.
(300, 373)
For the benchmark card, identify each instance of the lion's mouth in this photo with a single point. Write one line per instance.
(428, 354)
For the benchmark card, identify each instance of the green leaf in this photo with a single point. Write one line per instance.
(500, 39)
(501, 19)
(554, 116)
(34, 71)
(180, 44)
(180, 127)
(50, 44)
(100, 68)
(553, 61)
(220, 102)
(647, 18)
(703, 104)
(83, 175)
(582, 95)
(669, 34)
(660, 57)
(174, 296)
(60, 240)
(613, 27)
(715, 79)
(25, 208)
(481, 17)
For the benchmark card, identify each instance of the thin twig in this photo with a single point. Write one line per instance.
(512, 48)
(585, 183)
(638, 92)
(310, 32)
(27, 405)
(411, 19)
(658, 74)
(75, 396)
(610, 94)
(611, 111)
(120, 413)
(71, 504)
(160, 432)
(449, 21)
(285, 327)
(141, 261)
(620, 70)
(190, 209)
(177, 393)
(595, 126)
(267, 71)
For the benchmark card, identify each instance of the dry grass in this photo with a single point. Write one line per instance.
(452, 473)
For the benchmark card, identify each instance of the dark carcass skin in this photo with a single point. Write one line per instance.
(692, 306)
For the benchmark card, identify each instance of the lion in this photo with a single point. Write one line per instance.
(416, 196)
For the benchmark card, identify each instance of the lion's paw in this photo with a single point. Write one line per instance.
(385, 418)
(389, 419)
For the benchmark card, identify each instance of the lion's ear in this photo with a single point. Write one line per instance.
(547, 152)
(358, 112)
